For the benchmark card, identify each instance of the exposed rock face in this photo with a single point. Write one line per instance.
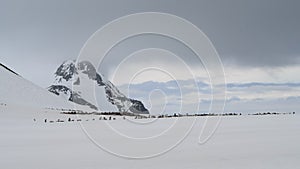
(123, 103)
(70, 95)
(71, 79)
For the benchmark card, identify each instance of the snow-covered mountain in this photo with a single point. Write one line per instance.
(82, 84)
(16, 91)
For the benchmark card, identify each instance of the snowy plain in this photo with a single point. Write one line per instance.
(241, 142)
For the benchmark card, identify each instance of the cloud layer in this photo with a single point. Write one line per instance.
(241, 97)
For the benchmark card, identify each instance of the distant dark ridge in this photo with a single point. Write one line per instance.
(9, 69)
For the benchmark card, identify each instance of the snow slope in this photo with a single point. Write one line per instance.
(17, 91)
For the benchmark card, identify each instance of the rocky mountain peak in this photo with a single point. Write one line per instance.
(84, 72)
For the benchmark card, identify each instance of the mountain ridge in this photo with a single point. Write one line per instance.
(5, 67)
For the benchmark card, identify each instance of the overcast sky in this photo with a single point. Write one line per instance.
(257, 40)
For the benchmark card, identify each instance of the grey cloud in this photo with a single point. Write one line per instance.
(257, 84)
(245, 33)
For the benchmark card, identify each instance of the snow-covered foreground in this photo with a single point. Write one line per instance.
(241, 142)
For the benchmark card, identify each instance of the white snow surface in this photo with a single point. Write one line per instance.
(241, 142)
